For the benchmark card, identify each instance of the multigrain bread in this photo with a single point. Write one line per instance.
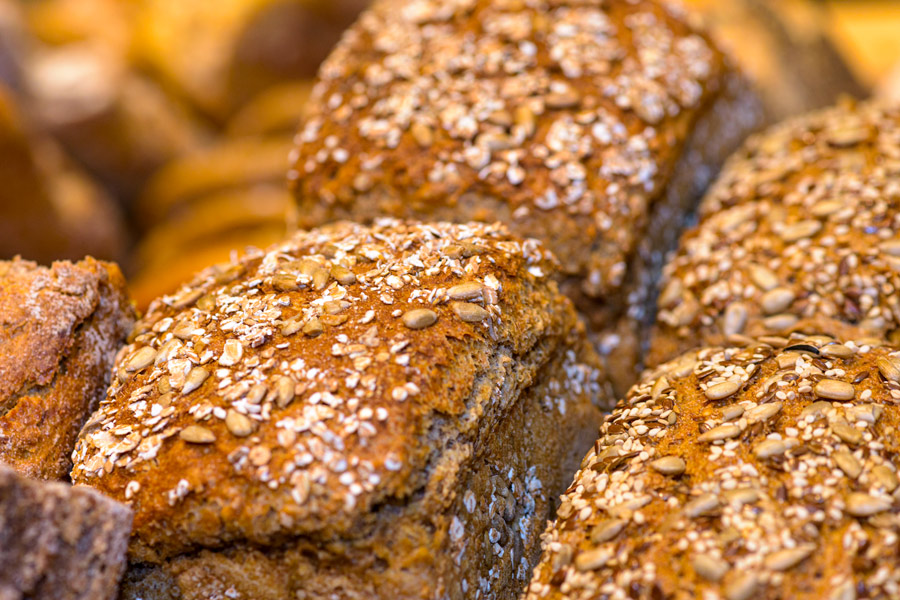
(59, 542)
(748, 472)
(592, 126)
(60, 329)
(357, 412)
(799, 233)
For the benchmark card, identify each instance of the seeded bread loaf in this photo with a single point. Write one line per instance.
(60, 328)
(590, 125)
(748, 472)
(799, 233)
(59, 542)
(357, 412)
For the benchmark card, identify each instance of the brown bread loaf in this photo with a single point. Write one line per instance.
(754, 472)
(60, 329)
(592, 126)
(59, 542)
(799, 233)
(356, 412)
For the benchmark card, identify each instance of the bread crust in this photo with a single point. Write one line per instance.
(797, 234)
(563, 119)
(362, 372)
(60, 328)
(742, 472)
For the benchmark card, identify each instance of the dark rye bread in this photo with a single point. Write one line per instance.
(59, 542)
(799, 233)
(60, 329)
(752, 472)
(380, 411)
(592, 126)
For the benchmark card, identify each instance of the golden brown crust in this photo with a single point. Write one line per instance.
(747, 472)
(563, 119)
(798, 234)
(60, 328)
(59, 541)
(325, 377)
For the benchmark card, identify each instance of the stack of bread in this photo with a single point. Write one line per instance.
(392, 401)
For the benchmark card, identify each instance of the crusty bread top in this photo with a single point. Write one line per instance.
(294, 390)
(40, 310)
(570, 110)
(746, 472)
(798, 234)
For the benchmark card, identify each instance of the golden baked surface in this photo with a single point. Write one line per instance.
(747, 472)
(561, 118)
(799, 233)
(60, 328)
(291, 392)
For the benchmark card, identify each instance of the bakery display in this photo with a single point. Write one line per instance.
(59, 542)
(586, 125)
(60, 329)
(799, 233)
(358, 411)
(761, 471)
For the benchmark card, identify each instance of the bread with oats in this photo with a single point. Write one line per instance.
(59, 542)
(592, 126)
(799, 233)
(746, 472)
(60, 329)
(357, 412)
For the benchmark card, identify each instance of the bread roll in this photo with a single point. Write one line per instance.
(749, 472)
(799, 233)
(380, 411)
(60, 328)
(590, 125)
(59, 542)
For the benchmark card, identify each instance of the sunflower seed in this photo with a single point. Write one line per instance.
(764, 412)
(593, 559)
(291, 326)
(834, 389)
(256, 394)
(701, 505)
(285, 390)
(864, 505)
(816, 409)
(722, 390)
(196, 434)
(742, 496)
(782, 560)
(763, 277)
(769, 448)
(709, 567)
(825, 208)
(668, 465)
(285, 283)
(607, 530)
(735, 319)
(659, 387)
(885, 477)
(468, 312)
(343, 275)
(777, 300)
(320, 279)
(525, 120)
(780, 323)
(837, 351)
(732, 413)
(742, 587)
(314, 327)
(722, 432)
(801, 230)
(889, 368)
(844, 591)
(422, 133)
(231, 353)
(140, 359)
(848, 433)
(194, 379)
(465, 291)
(419, 318)
(847, 463)
(238, 424)
(891, 247)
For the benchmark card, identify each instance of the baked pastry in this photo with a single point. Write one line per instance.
(784, 47)
(49, 210)
(592, 126)
(220, 53)
(272, 112)
(799, 233)
(60, 328)
(59, 542)
(748, 472)
(357, 412)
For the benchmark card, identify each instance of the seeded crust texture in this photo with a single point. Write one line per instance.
(359, 411)
(765, 471)
(566, 120)
(799, 233)
(59, 542)
(60, 328)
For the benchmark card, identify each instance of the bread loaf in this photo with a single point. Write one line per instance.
(590, 125)
(748, 472)
(357, 412)
(59, 542)
(60, 328)
(799, 233)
